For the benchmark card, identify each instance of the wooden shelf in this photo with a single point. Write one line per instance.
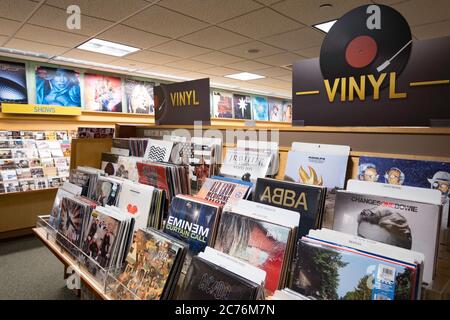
(67, 260)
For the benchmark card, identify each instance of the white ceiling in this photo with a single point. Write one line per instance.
(199, 38)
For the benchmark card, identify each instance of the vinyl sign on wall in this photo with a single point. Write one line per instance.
(371, 73)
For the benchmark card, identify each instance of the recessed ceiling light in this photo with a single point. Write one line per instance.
(245, 76)
(107, 47)
(325, 26)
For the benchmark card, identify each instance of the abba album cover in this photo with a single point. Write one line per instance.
(222, 104)
(206, 281)
(325, 273)
(13, 83)
(406, 224)
(57, 86)
(305, 199)
(192, 222)
(102, 93)
(139, 96)
(260, 243)
(260, 108)
(242, 106)
(316, 169)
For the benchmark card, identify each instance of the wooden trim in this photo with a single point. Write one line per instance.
(26, 192)
(15, 233)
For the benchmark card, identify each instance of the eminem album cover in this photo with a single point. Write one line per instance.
(13, 83)
(150, 264)
(102, 93)
(260, 109)
(260, 243)
(326, 170)
(406, 224)
(222, 105)
(221, 191)
(328, 273)
(287, 111)
(57, 86)
(192, 222)
(139, 96)
(275, 110)
(305, 199)
(242, 106)
(207, 281)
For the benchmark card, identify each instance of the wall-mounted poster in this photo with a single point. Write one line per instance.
(57, 86)
(242, 106)
(102, 93)
(260, 109)
(139, 96)
(13, 84)
(275, 110)
(222, 105)
(287, 111)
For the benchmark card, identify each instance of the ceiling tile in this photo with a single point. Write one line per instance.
(242, 50)
(164, 22)
(260, 23)
(215, 38)
(132, 37)
(223, 80)
(113, 10)
(195, 75)
(37, 47)
(219, 71)
(297, 39)
(268, 2)
(285, 78)
(50, 36)
(56, 18)
(152, 57)
(432, 30)
(281, 59)
(247, 65)
(217, 58)
(3, 40)
(89, 56)
(312, 52)
(418, 12)
(166, 70)
(8, 27)
(274, 72)
(132, 64)
(16, 9)
(180, 49)
(212, 11)
(309, 12)
(190, 65)
(275, 83)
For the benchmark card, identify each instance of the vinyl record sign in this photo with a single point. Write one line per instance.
(371, 73)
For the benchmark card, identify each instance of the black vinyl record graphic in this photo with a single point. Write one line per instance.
(351, 48)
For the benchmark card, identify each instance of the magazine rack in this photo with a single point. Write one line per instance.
(105, 285)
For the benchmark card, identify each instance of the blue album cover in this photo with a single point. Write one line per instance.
(192, 222)
(13, 84)
(58, 87)
(260, 109)
(413, 173)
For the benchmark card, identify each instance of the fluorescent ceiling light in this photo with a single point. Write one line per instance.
(107, 47)
(325, 26)
(245, 76)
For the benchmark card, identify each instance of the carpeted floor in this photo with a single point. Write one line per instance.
(28, 270)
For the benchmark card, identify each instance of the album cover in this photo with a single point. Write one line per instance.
(406, 224)
(11, 186)
(207, 281)
(102, 93)
(13, 88)
(262, 244)
(139, 96)
(246, 165)
(37, 172)
(27, 185)
(8, 175)
(23, 174)
(287, 111)
(6, 154)
(260, 109)
(275, 110)
(158, 150)
(316, 169)
(242, 106)
(106, 192)
(8, 164)
(325, 272)
(71, 221)
(222, 192)
(110, 163)
(57, 86)
(192, 221)
(22, 164)
(136, 199)
(95, 133)
(41, 183)
(153, 174)
(127, 168)
(222, 105)
(305, 199)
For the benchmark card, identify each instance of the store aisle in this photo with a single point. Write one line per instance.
(29, 271)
